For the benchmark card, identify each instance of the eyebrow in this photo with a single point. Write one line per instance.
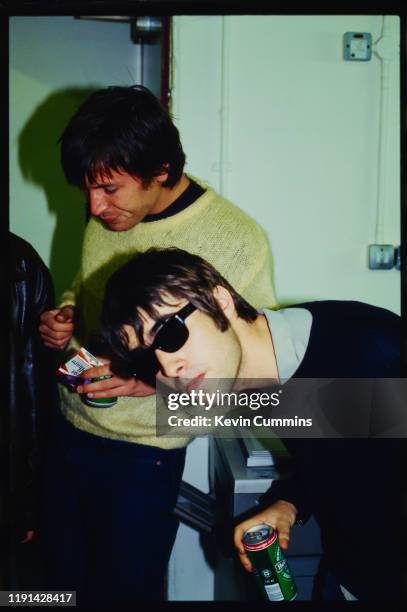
(101, 185)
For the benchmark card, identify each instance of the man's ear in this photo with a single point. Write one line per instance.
(161, 178)
(225, 301)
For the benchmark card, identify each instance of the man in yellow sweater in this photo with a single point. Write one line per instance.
(108, 470)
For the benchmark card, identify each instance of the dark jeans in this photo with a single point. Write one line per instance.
(108, 522)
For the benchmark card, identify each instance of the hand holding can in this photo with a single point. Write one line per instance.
(270, 566)
(98, 402)
(76, 372)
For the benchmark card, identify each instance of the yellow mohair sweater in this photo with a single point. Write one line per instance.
(211, 227)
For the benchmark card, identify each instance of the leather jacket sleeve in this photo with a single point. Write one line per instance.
(33, 392)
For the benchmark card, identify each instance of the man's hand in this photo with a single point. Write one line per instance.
(112, 387)
(57, 326)
(281, 515)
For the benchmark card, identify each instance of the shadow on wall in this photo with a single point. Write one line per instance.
(39, 159)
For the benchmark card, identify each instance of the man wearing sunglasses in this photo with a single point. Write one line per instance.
(123, 150)
(175, 307)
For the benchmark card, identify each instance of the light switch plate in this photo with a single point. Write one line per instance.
(381, 256)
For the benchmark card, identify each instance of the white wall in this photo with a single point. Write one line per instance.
(54, 63)
(272, 116)
(299, 128)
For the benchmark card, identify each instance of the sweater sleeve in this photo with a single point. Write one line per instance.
(259, 291)
(293, 489)
(71, 295)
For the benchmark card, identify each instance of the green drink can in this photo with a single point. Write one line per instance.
(99, 402)
(270, 567)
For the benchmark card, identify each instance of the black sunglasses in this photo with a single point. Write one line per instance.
(170, 336)
(172, 333)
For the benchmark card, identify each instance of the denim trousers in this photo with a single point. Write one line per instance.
(108, 525)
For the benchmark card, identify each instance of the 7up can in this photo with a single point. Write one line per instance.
(270, 567)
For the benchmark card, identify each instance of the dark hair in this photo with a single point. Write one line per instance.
(142, 284)
(122, 129)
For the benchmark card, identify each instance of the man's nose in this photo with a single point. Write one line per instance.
(172, 364)
(97, 203)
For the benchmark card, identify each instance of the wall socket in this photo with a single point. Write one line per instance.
(357, 46)
(381, 256)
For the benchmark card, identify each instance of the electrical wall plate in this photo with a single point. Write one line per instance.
(381, 256)
(357, 46)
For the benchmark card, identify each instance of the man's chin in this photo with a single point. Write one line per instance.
(197, 385)
(115, 226)
(209, 385)
(121, 226)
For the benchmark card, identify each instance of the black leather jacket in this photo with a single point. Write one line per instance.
(33, 392)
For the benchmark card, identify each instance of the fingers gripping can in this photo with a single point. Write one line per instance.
(71, 372)
(269, 564)
(99, 402)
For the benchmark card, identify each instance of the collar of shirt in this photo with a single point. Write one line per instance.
(290, 330)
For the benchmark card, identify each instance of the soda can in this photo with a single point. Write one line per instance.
(270, 567)
(99, 402)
